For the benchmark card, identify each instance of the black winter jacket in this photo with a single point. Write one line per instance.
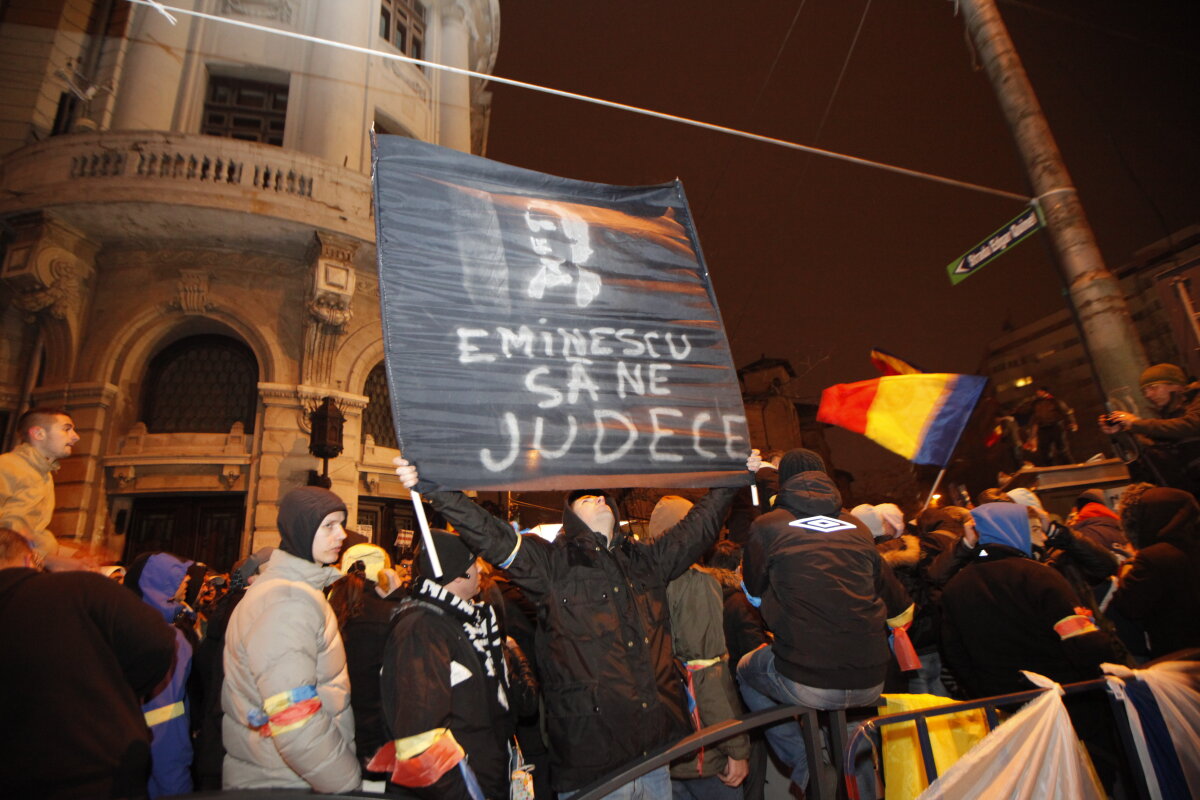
(998, 618)
(80, 652)
(603, 645)
(422, 690)
(826, 593)
(1161, 588)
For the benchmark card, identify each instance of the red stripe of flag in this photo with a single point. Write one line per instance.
(846, 404)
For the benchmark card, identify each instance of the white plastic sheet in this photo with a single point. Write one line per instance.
(1035, 754)
(1176, 689)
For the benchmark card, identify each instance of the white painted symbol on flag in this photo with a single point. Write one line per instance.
(822, 524)
(561, 239)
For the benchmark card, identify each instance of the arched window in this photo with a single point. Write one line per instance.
(201, 384)
(377, 417)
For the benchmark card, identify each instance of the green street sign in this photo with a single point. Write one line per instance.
(1009, 236)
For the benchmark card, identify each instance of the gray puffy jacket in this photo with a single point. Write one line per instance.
(282, 636)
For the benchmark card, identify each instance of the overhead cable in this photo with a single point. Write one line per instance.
(863, 162)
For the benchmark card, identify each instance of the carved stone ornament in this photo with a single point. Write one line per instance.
(329, 306)
(279, 10)
(124, 476)
(371, 480)
(60, 298)
(193, 292)
(230, 473)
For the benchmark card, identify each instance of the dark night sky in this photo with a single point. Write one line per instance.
(816, 260)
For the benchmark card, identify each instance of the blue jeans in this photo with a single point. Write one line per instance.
(709, 788)
(763, 687)
(654, 785)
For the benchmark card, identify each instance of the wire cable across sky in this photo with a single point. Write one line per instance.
(863, 162)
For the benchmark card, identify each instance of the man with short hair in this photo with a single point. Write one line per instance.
(603, 642)
(1171, 443)
(26, 488)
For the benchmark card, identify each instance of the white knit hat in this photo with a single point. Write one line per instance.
(868, 516)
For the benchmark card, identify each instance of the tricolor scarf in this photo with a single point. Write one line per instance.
(479, 623)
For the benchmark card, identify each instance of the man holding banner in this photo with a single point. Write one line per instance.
(549, 334)
(603, 642)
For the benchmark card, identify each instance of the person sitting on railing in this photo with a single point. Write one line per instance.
(825, 593)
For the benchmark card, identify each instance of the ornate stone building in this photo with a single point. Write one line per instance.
(188, 259)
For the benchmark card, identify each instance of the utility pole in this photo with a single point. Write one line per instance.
(1104, 320)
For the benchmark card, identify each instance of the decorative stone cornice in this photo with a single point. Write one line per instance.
(290, 394)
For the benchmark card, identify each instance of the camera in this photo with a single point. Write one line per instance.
(1111, 419)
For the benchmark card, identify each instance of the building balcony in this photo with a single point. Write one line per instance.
(147, 188)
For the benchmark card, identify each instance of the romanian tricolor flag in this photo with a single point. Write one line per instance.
(889, 364)
(919, 416)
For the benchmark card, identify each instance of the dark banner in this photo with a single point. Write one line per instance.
(548, 333)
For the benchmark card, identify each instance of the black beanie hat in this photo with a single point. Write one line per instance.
(453, 555)
(799, 460)
(300, 514)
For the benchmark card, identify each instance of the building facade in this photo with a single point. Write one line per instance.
(188, 259)
(1048, 352)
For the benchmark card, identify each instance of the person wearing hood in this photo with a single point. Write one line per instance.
(1004, 612)
(828, 597)
(161, 581)
(1093, 519)
(603, 642)
(698, 639)
(286, 696)
(1160, 588)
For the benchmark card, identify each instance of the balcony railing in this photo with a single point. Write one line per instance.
(185, 169)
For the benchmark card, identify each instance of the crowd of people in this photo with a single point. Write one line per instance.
(512, 665)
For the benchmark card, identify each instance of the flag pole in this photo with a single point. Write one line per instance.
(936, 483)
(426, 536)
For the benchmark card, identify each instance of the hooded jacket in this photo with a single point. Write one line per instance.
(1161, 588)
(71, 731)
(698, 635)
(1004, 612)
(167, 710)
(826, 593)
(603, 644)
(1101, 525)
(283, 637)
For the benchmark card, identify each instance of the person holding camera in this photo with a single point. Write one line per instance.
(1169, 445)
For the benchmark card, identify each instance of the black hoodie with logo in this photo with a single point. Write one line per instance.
(826, 593)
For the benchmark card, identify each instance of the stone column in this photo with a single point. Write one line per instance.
(283, 462)
(333, 119)
(153, 70)
(454, 91)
